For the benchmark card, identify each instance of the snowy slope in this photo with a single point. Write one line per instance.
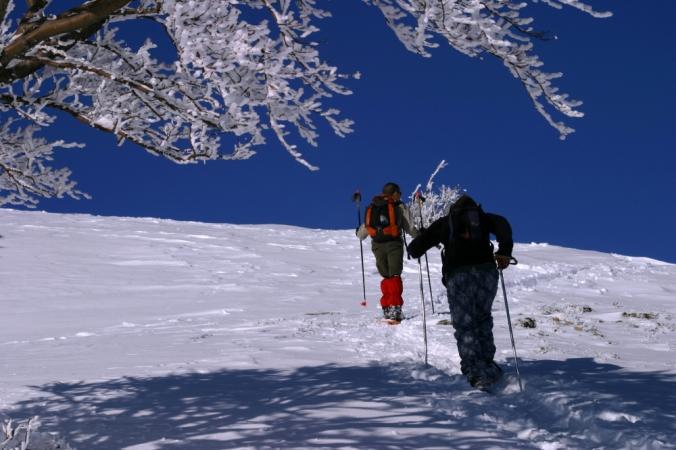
(155, 334)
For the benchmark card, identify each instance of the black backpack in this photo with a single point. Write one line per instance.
(467, 228)
(467, 224)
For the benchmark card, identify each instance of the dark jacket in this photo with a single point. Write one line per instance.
(457, 251)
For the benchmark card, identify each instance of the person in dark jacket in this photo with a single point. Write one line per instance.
(471, 279)
(390, 254)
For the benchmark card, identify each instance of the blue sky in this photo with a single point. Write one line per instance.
(609, 187)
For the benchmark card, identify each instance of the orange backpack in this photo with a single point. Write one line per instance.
(381, 219)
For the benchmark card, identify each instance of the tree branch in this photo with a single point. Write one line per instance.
(3, 8)
(15, 176)
(29, 66)
(169, 152)
(138, 12)
(35, 7)
(208, 117)
(542, 35)
(77, 18)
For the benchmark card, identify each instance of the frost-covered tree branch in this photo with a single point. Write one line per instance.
(25, 174)
(493, 27)
(430, 203)
(23, 435)
(240, 72)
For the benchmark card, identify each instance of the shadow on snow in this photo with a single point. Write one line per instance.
(334, 406)
(599, 405)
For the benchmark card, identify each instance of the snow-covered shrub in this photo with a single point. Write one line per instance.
(24, 436)
(437, 201)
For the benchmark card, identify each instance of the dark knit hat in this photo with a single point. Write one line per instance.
(463, 202)
(391, 189)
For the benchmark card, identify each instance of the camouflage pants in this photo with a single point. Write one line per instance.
(471, 291)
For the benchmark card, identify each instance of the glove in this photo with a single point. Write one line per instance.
(502, 261)
(357, 230)
(411, 254)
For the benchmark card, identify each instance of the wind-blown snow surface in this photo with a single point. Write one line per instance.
(156, 334)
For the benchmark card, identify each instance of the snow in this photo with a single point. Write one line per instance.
(107, 122)
(131, 333)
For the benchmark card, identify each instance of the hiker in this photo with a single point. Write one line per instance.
(386, 219)
(471, 279)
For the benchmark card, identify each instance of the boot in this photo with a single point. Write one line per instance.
(393, 313)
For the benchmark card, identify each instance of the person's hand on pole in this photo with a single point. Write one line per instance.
(502, 261)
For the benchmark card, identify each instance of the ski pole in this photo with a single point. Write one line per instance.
(509, 322)
(421, 199)
(408, 256)
(356, 197)
(422, 306)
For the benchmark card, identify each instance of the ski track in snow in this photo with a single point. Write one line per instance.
(156, 334)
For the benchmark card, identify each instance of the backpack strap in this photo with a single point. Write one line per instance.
(392, 229)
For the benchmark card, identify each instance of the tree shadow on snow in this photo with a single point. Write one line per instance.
(334, 406)
(326, 407)
(591, 403)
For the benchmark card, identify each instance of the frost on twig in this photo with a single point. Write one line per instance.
(241, 72)
(23, 435)
(433, 203)
(25, 172)
(487, 27)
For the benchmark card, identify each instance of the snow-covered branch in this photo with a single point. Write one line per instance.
(493, 27)
(25, 175)
(241, 71)
(23, 435)
(430, 204)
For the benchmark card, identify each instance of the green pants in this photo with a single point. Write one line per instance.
(389, 257)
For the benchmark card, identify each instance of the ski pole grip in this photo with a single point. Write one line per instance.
(513, 261)
(356, 198)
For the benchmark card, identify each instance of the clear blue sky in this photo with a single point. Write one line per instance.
(610, 186)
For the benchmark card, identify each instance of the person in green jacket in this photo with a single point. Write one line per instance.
(386, 220)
